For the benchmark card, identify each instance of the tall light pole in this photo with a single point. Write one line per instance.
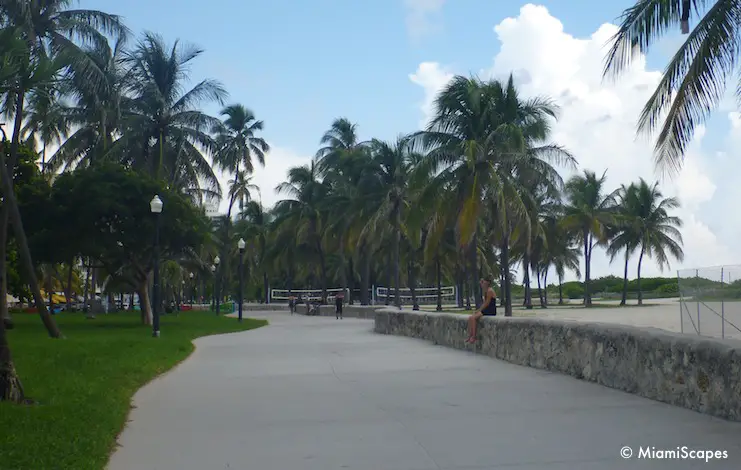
(192, 290)
(213, 293)
(155, 205)
(241, 245)
(217, 260)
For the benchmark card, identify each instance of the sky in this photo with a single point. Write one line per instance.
(300, 64)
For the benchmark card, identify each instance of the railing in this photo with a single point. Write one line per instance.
(710, 301)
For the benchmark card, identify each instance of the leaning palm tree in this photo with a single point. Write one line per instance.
(659, 235)
(695, 79)
(237, 143)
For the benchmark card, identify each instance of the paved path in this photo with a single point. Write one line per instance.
(321, 394)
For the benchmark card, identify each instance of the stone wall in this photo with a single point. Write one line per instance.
(694, 372)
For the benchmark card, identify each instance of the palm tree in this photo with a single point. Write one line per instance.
(659, 235)
(45, 120)
(623, 234)
(159, 112)
(589, 212)
(695, 79)
(237, 144)
(303, 210)
(394, 165)
(96, 109)
(482, 136)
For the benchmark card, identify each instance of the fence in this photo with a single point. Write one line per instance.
(710, 301)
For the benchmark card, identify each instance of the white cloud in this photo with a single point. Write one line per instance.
(598, 121)
(423, 17)
(277, 163)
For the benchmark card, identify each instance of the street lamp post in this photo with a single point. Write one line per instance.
(241, 245)
(213, 293)
(217, 261)
(155, 205)
(192, 290)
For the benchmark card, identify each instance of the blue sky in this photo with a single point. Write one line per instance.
(300, 64)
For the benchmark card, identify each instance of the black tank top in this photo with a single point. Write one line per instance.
(490, 309)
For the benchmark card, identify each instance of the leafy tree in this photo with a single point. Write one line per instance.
(106, 212)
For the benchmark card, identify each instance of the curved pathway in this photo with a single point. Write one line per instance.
(321, 394)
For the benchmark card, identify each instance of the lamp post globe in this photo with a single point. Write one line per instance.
(192, 289)
(155, 206)
(241, 244)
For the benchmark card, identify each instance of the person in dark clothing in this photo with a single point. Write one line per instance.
(338, 300)
(488, 308)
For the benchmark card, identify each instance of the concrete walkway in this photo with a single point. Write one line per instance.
(322, 394)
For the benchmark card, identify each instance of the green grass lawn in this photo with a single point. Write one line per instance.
(83, 384)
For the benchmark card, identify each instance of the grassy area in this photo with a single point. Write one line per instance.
(83, 384)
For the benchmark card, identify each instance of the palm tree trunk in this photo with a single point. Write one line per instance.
(20, 235)
(387, 301)
(86, 288)
(266, 286)
(5, 208)
(459, 284)
(587, 265)
(624, 299)
(526, 282)
(365, 273)
(475, 286)
(343, 267)
(545, 289)
(94, 291)
(397, 258)
(438, 275)
(411, 276)
(507, 288)
(638, 280)
(68, 289)
(540, 289)
(11, 389)
(50, 290)
(144, 304)
(322, 266)
(560, 290)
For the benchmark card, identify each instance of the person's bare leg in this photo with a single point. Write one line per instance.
(472, 327)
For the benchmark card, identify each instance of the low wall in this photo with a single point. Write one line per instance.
(694, 372)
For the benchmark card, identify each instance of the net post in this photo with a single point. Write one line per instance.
(373, 294)
(697, 280)
(722, 307)
(681, 303)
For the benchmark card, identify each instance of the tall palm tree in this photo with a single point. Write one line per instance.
(45, 120)
(695, 79)
(394, 164)
(588, 213)
(304, 211)
(658, 231)
(96, 108)
(163, 127)
(237, 144)
(624, 234)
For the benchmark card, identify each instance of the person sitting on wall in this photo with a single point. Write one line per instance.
(488, 308)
